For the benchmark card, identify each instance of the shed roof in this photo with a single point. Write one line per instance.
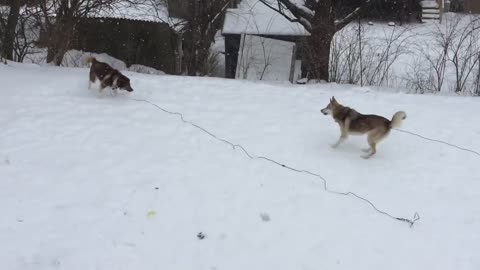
(140, 10)
(147, 10)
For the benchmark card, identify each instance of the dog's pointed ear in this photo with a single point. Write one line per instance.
(334, 100)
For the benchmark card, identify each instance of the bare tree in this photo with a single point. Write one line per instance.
(428, 73)
(364, 57)
(476, 84)
(465, 51)
(26, 35)
(8, 35)
(346, 54)
(419, 77)
(202, 20)
(391, 47)
(453, 49)
(266, 55)
(320, 19)
(59, 18)
(255, 57)
(4, 10)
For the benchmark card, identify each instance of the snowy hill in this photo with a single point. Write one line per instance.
(114, 183)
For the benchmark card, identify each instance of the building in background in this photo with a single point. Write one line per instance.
(143, 34)
(472, 6)
(260, 44)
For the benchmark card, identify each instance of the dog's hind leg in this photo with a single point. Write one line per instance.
(373, 147)
(372, 143)
(374, 137)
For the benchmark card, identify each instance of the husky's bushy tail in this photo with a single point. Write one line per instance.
(397, 119)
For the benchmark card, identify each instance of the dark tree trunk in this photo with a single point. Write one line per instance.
(61, 33)
(323, 30)
(11, 26)
(194, 28)
(202, 24)
(319, 47)
(207, 32)
(59, 43)
(320, 21)
(52, 48)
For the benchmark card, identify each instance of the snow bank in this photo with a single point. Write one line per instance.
(75, 58)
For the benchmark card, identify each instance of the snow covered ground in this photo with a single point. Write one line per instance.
(111, 183)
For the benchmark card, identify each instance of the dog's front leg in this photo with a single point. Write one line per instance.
(100, 92)
(340, 140)
(343, 137)
(343, 132)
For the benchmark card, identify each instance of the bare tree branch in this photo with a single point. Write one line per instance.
(298, 11)
(339, 24)
(280, 10)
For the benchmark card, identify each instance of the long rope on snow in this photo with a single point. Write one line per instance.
(234, 146)
(439, 141)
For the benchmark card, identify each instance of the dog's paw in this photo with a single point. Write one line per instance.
(334, 145)
(366, 150)
(366, 156)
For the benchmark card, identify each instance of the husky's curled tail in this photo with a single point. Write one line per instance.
(397, 119)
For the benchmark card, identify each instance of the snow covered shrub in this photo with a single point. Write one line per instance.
(382, 52)
(347, 45)
(476, 84)
(464, 53)
(419, 78)
(212, 65)
(145, 70)
(74, 58)
(366, 55)
(449, 57)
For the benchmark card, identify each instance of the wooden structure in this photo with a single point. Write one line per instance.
(472, 6)
(151, 44)
(252, 18)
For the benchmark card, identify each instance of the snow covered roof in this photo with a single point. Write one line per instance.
(253, 17)
(143, 11)
(146, 10)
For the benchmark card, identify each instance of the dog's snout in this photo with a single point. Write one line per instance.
(326, 111)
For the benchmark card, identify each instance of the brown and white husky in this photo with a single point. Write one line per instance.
(352, 122)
